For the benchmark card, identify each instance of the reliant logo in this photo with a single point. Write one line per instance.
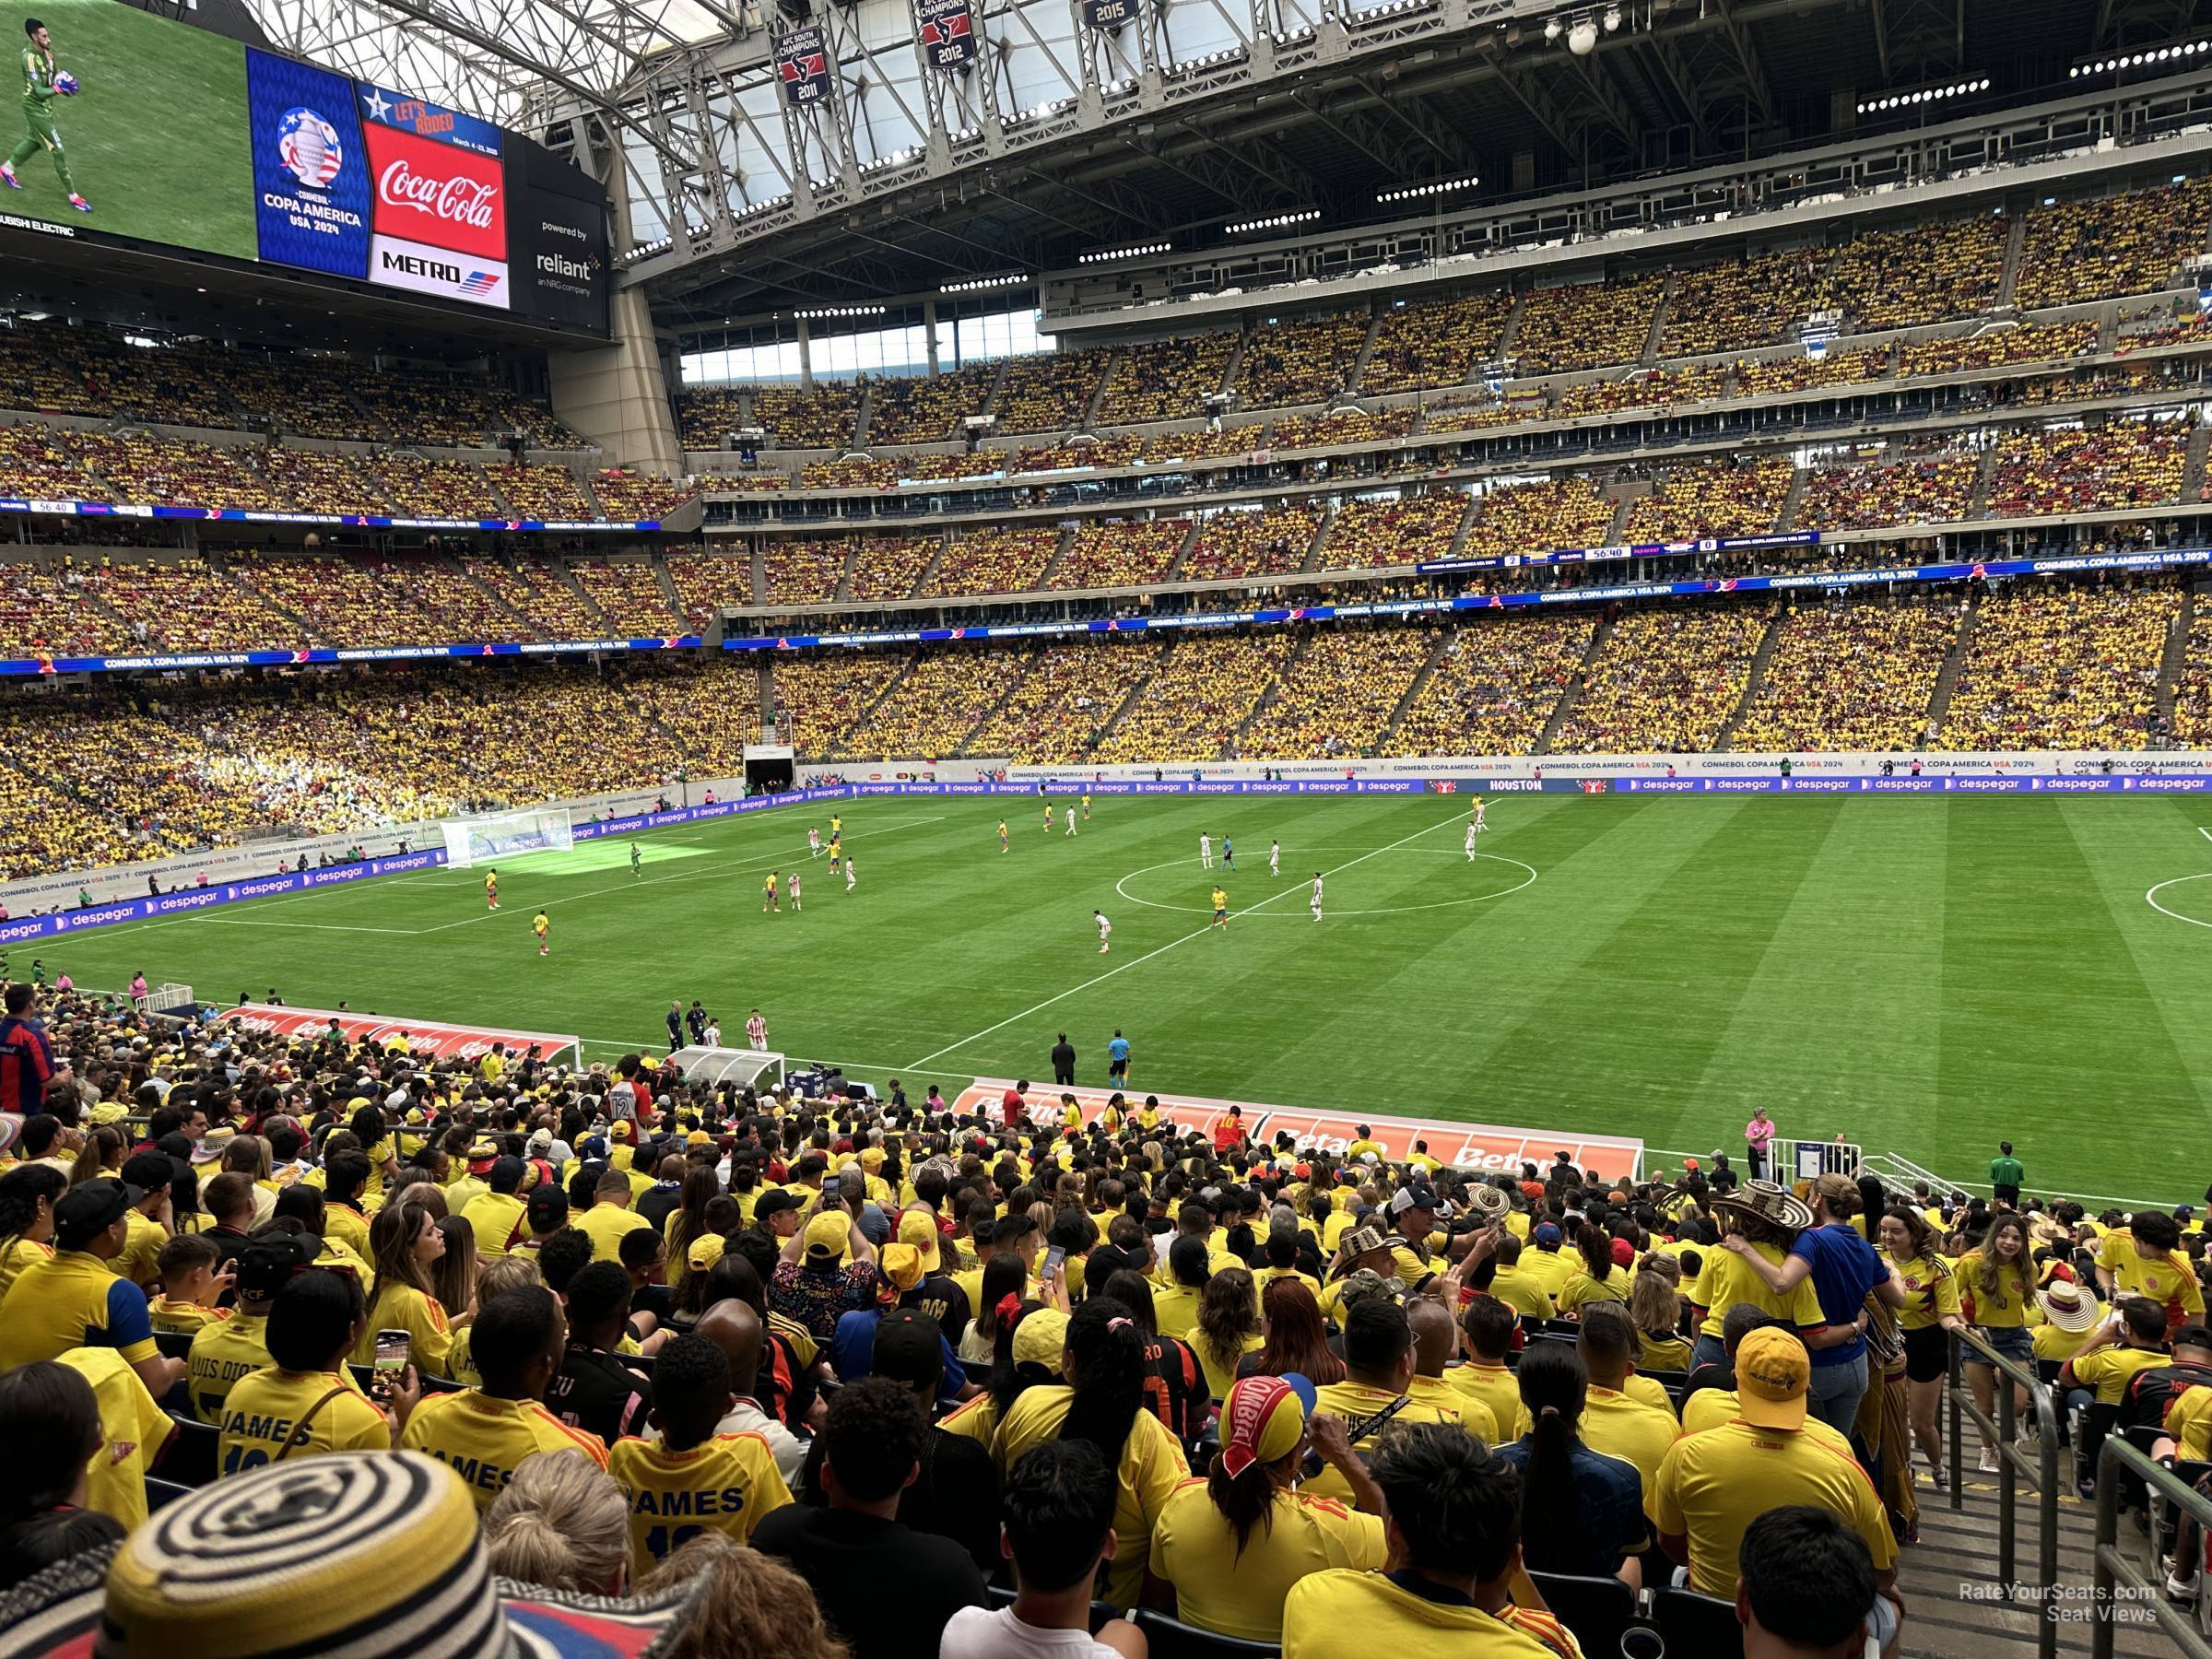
(561, 265)
(460, 201)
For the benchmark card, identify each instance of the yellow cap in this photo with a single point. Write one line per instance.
(1039, 1339)
(916, 1229)
(827, 1232)
(1772, 1371)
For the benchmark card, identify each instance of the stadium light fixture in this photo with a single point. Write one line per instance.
(1922, 95)
(1139, 251)
(2156, 57)
(976, 284)
(823, 313)
(1438, 187)
(1272, 222)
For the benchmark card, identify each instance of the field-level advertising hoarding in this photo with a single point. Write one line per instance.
(426, 1038)
(155, 138)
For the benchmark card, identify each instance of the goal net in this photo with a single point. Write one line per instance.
(474, 841)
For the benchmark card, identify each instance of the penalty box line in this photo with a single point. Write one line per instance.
(1170, 945)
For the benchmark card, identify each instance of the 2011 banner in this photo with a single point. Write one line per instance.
(803, 63)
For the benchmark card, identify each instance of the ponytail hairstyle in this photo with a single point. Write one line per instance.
(1597, 1245)
(1106, 1353)
(1655, 1299)
(22, 1191)
(1009, 1381)
(1553, 1388)
(1004, 1276)
(1247, 1501)
(1227, 1313)
(690, 1223)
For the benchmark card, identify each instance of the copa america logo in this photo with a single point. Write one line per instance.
(463, 201)
(307, 146)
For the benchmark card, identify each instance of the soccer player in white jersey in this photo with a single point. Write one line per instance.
(1105, 928)
(1474, 830)
(1205, 851)
(849, 881)
(1316, 904)
(1275, 858)
(814, 842)
(1071, 821)
(795, 890)
(1480, 807)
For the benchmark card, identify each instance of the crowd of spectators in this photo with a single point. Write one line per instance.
(1904, 488)
(543, 492)
(1494, 687)
(1237, 542)
(890, 567)
(2061, 668)
(188, 605)
(1305, 362)
(1067, 457)
(1062, 701)
(1000, 559)
(854, 472)
(1903, 278)
(422, 487)
(37, 462)
(1339, 693)
(806, 572)
(1585, 325)
(1711, 498)
(1802, 371)
(925, 408)
(626, 494)
(627, 592)
(2127, 462)
(934, 706)
(1434, 343)
(45, 609)
(1369, 534)
(824, 698)
(1742, 304)
(820, 416)
(538, 592)
(339, 601)
(1851, 677)
(1340, 426)
(1538, 516)
(1209, 443)
(706, 584)
(2193, 687)
(1121, 553)
(1048, 392)
(1201, 690)
(2028, 343)
(1646, 389)
(1166, 379)
(2134, 243)
(1664, 681)
(712, 709)
(463, 610)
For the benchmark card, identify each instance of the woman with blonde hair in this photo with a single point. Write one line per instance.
(101, 1155)
(1655, 1310)
(746, 1603)
(500, 1275)
(561, 1522)
(405, 1245)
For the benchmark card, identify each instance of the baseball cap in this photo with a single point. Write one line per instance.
(774, 1204)
(266, 1263)
(507, 1168)
(143, 1172)
(1772, 1371)
(1624, 1253)
(916, 1229)
(621, 1129)
(1263, 1421)
(826, 1233)
(1547, 1233)
(902, 1264)
(909, 1348)
(547, 1208)
(1416, 1196)
(1039, 1339)
(89, 1209)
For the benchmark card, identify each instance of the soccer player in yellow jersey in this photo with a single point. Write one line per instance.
(691, 1480)
(1002, 835)
(1086, 806)
(1220, 908)
(768, 895)
(541, 925)
(837, 825)
(1455, 1532)
(491, 889)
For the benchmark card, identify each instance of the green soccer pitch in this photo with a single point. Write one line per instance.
(1925, 975)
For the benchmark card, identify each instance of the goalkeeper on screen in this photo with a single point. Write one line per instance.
(42, 83)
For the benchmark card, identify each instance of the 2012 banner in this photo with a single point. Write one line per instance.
(948, 29)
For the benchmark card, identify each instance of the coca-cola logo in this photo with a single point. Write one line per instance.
(457, 201)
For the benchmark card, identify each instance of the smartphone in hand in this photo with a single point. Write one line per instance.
(390, 1366)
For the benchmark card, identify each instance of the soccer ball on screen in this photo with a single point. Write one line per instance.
(66, 84)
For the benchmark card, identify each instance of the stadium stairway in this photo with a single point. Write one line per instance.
(494, 595)
(863, 413)
(1978, 503)
(1944, 1576)
(1436, 655)
(1320, 537)
(1098, 393)
(1235, 366)
(567, 578)
(1059, 558)
(2016, 240)
(1658, 329)
(1367, 350)
(1267, 698)
(929, 571)
(2175, 657)
(2193, 463)
(1479, 371)
(674, 600)
(1182, 552)
(759, 581)
(1787, 519)
(1598, 637)
(1947, 678)
(1754, 679)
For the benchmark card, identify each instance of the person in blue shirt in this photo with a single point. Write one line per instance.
(1229, 854)
(1117, 1059)
(1846, 1270)
(1582, 1512)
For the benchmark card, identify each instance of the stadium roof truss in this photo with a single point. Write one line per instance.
(1061, 137)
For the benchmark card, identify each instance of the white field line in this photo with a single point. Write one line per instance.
(1170, 945)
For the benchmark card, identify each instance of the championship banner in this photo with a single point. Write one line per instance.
(1108, 15)
(947, 32)
(804, 63)
(426, 1038)
(1473, 1146)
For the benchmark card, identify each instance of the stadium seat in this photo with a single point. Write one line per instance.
(1001, 1595)
(173, 1344)
(189, 1458)
(1694, 1624)
(1171, 1638)
(160, 1494)
(431, 1385)
(1598, 1610)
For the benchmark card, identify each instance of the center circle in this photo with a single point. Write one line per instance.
(2151, 898)
(1280, 909)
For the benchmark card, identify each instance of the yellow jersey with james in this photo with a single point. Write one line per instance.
(484, 1440)
(722, 1485)
(263, 1411)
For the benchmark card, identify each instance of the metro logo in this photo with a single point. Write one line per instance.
(438, 195)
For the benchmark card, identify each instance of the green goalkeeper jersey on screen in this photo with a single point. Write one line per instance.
(39, 134)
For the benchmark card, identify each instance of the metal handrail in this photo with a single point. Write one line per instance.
(2013, 1466)
(2115, 1571)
